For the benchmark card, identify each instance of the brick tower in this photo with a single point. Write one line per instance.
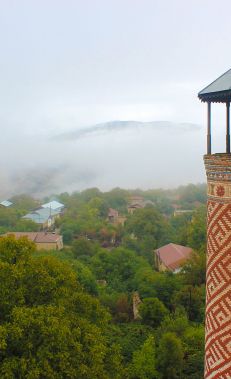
(218, 273)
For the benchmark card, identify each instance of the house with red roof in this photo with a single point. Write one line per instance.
(171, 257)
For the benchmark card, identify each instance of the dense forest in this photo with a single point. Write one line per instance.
(70, 313)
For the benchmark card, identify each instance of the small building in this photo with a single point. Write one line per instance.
(45, 217)
(171, 257)
(6, 203)
(112, 215)
(136, 200)
(115, 218)
(54, 205)
(133, 207)
(43, 240)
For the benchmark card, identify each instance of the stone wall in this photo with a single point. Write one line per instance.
(136, 301)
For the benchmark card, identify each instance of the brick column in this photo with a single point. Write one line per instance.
(218, 275)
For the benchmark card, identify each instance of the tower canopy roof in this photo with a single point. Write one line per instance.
(218, 91)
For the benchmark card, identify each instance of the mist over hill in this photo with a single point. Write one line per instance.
(120, 126)
(129, 154)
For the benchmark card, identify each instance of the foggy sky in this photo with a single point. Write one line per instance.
(67, 65)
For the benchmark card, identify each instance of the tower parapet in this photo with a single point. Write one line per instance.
(218, 171)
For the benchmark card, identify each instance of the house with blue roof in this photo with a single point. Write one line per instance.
(54, 205)
(6, 203)
(45, 217)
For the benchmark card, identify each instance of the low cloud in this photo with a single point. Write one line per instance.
(122, 153)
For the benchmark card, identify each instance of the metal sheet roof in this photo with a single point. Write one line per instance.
(6, 203)
(219, 90)
(47, 212)
(53, 205)
(37, 218)
(173, 255)
(41, 215)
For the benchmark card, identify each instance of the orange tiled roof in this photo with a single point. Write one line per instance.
(172, 255)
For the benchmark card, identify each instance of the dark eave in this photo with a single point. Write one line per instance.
(219, 91)
(216, 97)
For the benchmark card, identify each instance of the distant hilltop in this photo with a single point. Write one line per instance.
(118, 125)
(126, 154)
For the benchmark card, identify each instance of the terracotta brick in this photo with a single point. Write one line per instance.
(218, 274)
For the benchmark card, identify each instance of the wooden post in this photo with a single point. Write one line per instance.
(209, 129)
(227, 128)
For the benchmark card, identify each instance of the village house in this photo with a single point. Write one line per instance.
(6, 203)
(137, 202)
(171, 257)
(133, 207)
(45, 217)
(54, 205)
(114, 217)
(43, 240)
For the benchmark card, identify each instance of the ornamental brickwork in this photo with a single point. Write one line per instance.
(218, 274)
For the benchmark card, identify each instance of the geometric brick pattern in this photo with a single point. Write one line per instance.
(218, 289)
